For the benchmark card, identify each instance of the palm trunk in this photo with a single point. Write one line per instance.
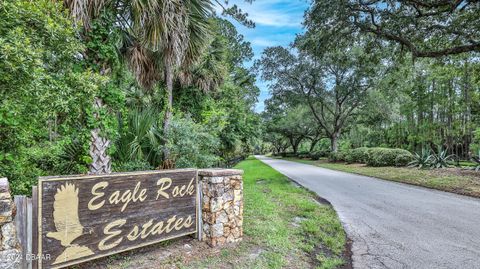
(168, 110)
(101, 163)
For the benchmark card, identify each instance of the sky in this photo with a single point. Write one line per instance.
(276, 24)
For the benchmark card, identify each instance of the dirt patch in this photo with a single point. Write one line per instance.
(322, 250)
(347, 255)
(255, 253)
(322, 201)
(457, 172)
(165, 255)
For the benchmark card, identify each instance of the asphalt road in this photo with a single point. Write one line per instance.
(395, 225)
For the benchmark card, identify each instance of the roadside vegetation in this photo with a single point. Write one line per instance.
(85, 90)
(460, 181)
(284, 227)
(380, 84)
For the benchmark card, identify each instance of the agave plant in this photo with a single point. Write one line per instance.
(441, 159)
(422, 159)
(476, 159)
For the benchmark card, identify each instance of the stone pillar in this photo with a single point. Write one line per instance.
(9, 246)
(222, 205)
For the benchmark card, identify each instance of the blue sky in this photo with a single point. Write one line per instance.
(277, 22)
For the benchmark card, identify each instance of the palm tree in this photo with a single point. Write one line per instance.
(178, 30)
(161, 36)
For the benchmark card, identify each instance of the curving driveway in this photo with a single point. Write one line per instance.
(394, 225)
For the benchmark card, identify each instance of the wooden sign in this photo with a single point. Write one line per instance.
(81, 218)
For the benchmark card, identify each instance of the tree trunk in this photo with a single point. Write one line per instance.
(168, 110)
(334, 141)
(312, 145)
(101, 163)
(294, 143)
(295, 148)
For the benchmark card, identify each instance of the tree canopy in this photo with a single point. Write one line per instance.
(424, 28)
(55, 69)
(349, 72)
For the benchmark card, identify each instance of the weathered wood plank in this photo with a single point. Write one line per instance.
(199, 209)
(34, 227)
(28, 248)
(81, 218)
(21, 225)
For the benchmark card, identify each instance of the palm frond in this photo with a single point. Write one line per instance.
(143, 65)
(160, 32)
(85, 10)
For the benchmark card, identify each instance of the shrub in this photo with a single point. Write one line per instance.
(134, 165)
(403, 159)
(303, 155)
(319, 154)
(385, 156)
(358, 155)
(190, 143)
(336, 156)
(21, 173)
(289, 154)
(347, 155)
(315, 156)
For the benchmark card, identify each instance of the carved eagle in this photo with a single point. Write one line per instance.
(65, 215)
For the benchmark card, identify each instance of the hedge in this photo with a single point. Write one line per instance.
(304, 155)
(336, 156)
(319, 154)
(388, 157)
(403, 159)
(358, 155)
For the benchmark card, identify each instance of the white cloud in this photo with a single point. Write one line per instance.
(263, 42)
(274, 18)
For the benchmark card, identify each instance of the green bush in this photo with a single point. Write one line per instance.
(403, 159)
(21, 173)
(319, 154)
(303, 155)
(336, 156)
(134, 165)
(191, 144)
(386, 156)
(358, 155)
(289, 154)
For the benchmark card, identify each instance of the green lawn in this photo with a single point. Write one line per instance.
(284, 227)
(454, 180)
(272, 204)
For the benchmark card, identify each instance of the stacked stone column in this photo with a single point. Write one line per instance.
(9, 246)
(222, 206)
